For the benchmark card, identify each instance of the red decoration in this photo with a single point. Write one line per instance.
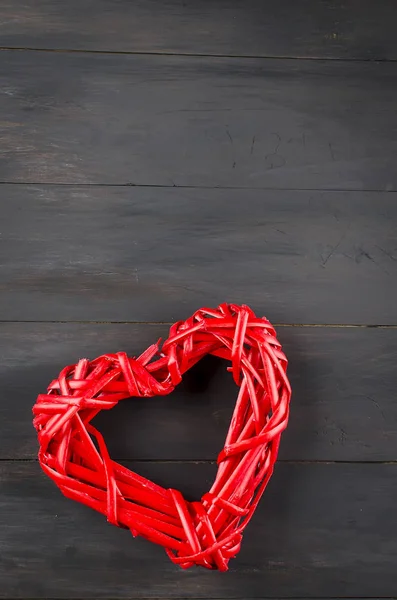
(206, 533)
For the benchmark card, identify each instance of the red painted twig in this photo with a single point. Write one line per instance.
(206, 533)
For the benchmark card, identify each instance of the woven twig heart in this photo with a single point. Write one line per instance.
(206, 533)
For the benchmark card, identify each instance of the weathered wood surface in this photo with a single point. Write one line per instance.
(343, 405)
(302, 227)
(123, 254)
(318, 528)
(348, 29)
(196, 121)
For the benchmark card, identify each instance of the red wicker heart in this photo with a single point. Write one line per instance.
(206, 533)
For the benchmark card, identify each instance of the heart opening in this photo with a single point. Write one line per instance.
(189, 425)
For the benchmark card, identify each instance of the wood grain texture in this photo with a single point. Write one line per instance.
(343, 405)
(318, 528)
(79, 244)
(123, 254)
(313, 28)
(169, 120)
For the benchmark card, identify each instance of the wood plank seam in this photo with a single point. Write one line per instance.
(196, 54)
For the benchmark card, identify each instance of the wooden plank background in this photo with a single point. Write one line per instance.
(198, 121)
(158, 156)
(100, 253)
(350, 29)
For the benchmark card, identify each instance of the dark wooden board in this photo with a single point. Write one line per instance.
(123, 254)
(79, 244)
(171, 120)
(315, 28)
(319, 531)
(343, 405)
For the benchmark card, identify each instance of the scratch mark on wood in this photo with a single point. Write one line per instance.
(275, 154)
(377, 406)
(387, 253)
(362, 253)
(334, 249)
(342, 437)
(278, 142)
(252, 145)
(231, 142)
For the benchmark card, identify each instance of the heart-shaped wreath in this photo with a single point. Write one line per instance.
(74, 454)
